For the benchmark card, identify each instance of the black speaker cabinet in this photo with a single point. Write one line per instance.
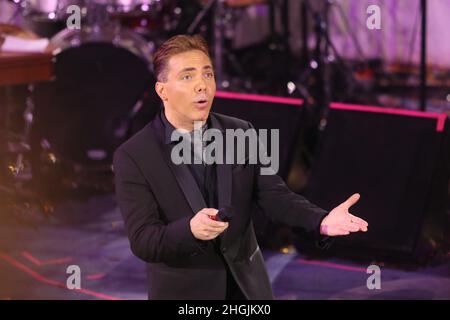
(265, 112)
(398, 161)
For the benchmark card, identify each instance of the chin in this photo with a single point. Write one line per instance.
(202, 115)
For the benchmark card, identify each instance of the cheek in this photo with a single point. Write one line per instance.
(178, 93)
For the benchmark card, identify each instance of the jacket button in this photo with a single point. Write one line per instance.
(224, 249)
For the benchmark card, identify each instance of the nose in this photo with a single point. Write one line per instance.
(200, 86)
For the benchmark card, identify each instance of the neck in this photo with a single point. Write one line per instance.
(187, 125)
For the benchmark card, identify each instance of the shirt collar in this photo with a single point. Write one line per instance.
(169, 128)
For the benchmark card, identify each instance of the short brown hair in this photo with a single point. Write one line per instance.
(175, 45)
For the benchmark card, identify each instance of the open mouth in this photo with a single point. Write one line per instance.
(202, 103)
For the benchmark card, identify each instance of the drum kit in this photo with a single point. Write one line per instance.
(102, 90)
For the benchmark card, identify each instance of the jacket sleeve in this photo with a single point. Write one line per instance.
(282, 205)
(150, 238)
(277, 201)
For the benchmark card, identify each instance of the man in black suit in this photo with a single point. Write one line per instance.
(170, 210)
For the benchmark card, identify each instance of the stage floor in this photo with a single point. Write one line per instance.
(35, 251)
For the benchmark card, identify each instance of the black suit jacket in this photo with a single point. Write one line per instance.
(157, 200)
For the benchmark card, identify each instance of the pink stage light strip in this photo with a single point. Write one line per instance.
(257, 97)
(16, 264)
(331, 265)
(41, 263)
(96, 276)
(440, 117)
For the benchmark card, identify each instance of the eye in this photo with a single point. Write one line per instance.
(186, 77)
(209, 75)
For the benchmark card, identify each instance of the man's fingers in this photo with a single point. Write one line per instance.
(362, 224)
(210, 235)
(351, 201)
(344, 230)
(206, 219)
(215, 229)
(213, 223)
(205, 228)
(209, 211)
(359, 221)
(208, 222)
(352, 228)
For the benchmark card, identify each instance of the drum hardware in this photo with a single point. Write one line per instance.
(16, 176)
(222, 24)
(319, 65)
(124, 129)
(18, 145)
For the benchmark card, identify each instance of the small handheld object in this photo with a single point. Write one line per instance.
(225, 214)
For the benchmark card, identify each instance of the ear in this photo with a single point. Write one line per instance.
(161, 90)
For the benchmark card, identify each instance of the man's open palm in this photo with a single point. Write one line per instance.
(340, 222)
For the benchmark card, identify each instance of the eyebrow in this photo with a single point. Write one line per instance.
(193, 69)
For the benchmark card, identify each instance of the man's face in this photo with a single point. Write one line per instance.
(189, 90)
